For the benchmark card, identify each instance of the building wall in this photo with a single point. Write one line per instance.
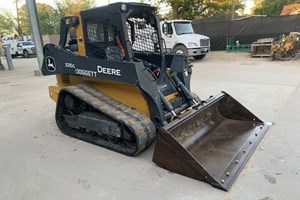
(53, 39)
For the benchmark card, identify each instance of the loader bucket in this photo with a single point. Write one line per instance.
(211, 143)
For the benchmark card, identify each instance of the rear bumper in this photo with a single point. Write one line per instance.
(198, 51)
(53, 92)
(31, 52)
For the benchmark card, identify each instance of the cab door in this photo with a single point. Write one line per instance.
(20, 48)
(168, 34)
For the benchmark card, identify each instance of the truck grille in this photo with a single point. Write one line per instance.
(204, 42)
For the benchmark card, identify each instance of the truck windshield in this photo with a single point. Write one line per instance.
(183, 28)
(27, 43)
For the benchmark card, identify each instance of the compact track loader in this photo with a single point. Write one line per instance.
(119, 89)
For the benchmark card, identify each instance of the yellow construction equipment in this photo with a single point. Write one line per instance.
(118, 88)
(286, 47)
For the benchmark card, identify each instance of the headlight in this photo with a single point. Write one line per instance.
(123, 7)
(192, 44)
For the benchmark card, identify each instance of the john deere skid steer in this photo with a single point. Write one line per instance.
(118, 88)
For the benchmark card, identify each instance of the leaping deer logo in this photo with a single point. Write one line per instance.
(50, 64)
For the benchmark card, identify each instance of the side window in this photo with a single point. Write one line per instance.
(167, 28)
(142, 35)
(95, 32)
(101, 32)
(103, 40)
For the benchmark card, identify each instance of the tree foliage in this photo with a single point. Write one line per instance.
(71, 7)
(8, 23)
(49, 17)
(271, 7)
(225, 7)
(188, 9)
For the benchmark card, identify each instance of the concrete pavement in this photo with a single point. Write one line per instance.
(38, 162)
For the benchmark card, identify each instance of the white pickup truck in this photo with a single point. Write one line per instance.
(180, 38)
(20, 48)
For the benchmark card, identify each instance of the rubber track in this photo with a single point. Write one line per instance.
(140, 125)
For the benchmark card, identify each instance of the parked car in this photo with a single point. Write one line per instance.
(20, 48)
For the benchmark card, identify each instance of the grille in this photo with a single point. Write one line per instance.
(103, 40)
(142, 36)
(204, 42)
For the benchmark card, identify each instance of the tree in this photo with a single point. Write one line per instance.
(71, 7)
(48, 18)
(8, 23)
(228, 7)
(271, 7)
(19, 30)
(188, 9)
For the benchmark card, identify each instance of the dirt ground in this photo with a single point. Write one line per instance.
(38, 162)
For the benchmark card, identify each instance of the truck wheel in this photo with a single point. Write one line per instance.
(181, 50)
(25, 54)
(200, 57)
